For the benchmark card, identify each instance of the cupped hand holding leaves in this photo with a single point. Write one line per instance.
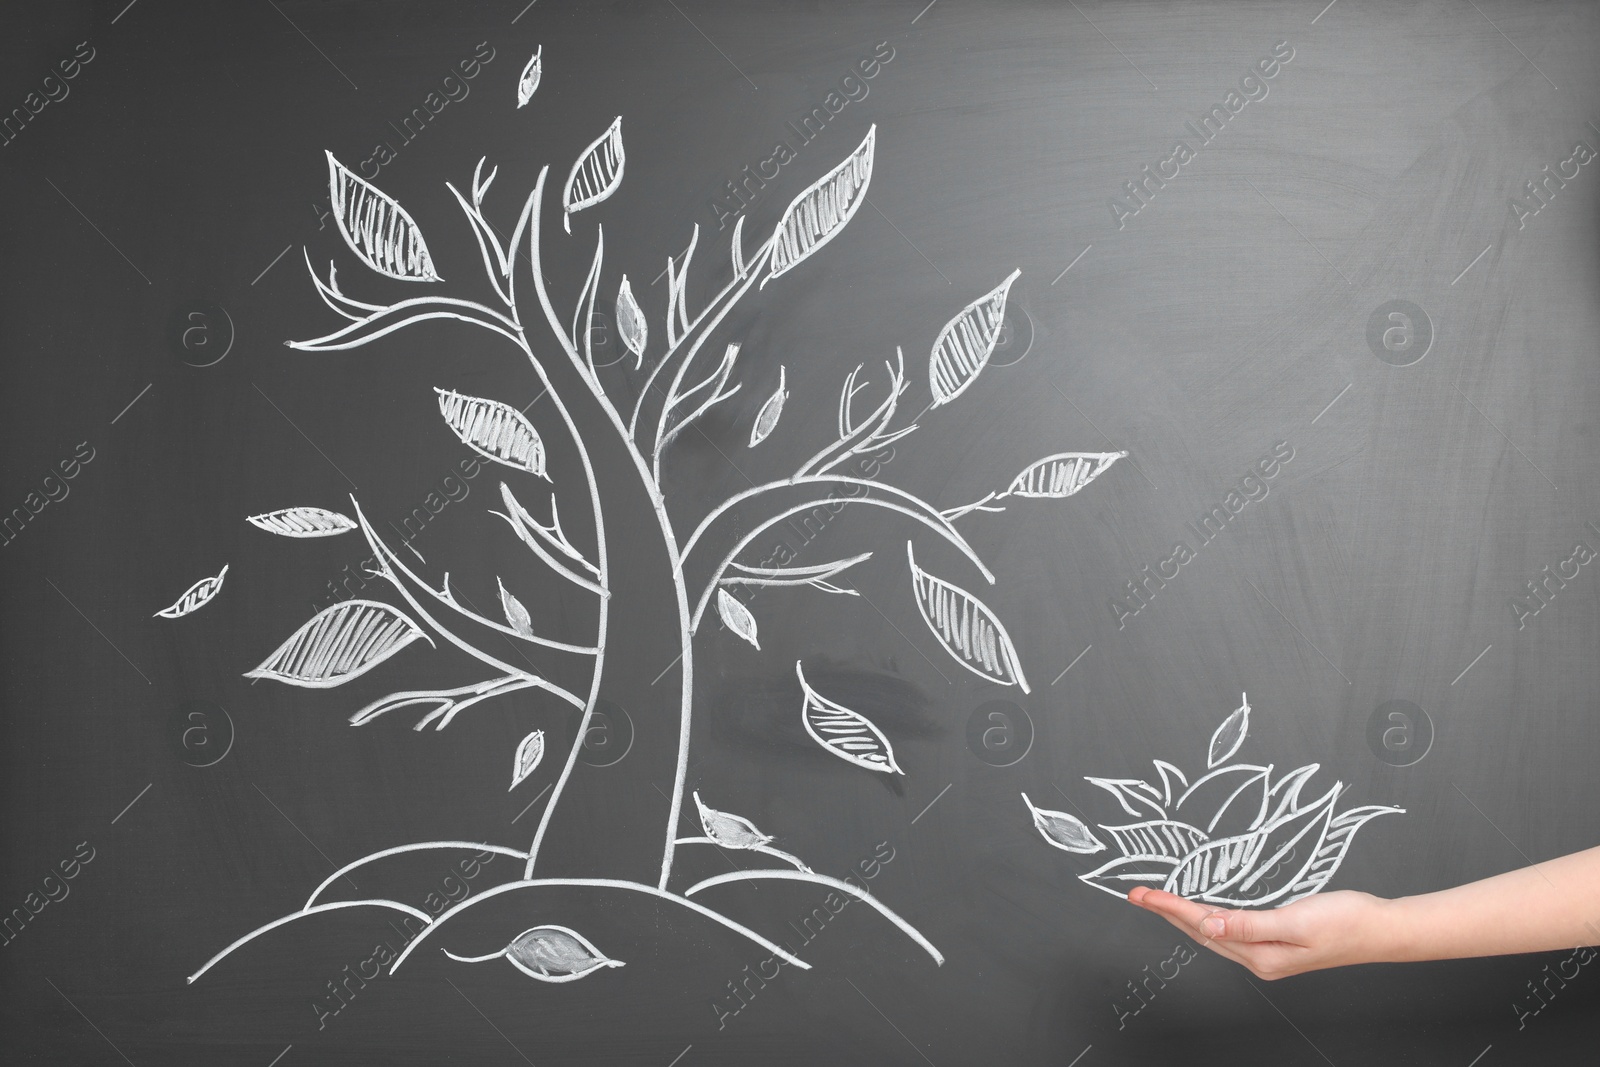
(1538, 908)
(1327, 930)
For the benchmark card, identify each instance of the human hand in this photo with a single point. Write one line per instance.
(1326, 930)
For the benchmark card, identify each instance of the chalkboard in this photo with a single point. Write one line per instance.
(718, 533)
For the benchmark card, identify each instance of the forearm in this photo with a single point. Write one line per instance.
(1552, 905)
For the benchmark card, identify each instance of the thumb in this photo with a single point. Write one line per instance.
(1243, 926)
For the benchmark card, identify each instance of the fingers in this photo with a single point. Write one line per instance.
(1258, 941)
(1170, 905)
(1213, 923)
(1236, 953)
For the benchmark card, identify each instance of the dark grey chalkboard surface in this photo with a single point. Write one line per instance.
(1260, 336)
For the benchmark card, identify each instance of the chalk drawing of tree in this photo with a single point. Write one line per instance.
(638, 554)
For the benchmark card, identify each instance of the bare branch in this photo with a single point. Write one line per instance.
(495, 268)
(354, 310)
(717, 380)
(443, 699)
(387, 320)
(531, 532)
(699, 328)
(815, 576)
(873, 432)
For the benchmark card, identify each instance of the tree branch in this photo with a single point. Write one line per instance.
(387, 561)
(873, 432)
(716, 381)
(531, 532)
(816, 576)
(799, 494)
(444, 699)
(406, 313)
(698, 328)
(496, 268)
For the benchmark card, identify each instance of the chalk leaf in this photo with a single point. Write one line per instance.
(596, 174)
(1166, 838)
(340, 643)
(302, 522)
(1230, 735)
(516, 615)
(529, 81)
(1257, 867)
(1330, 852)
(737, 617)
(822, 209)
(730, 831)
(1124, 873)
(1139, 799)
(631, 323)
(377, 228)
(529, 753)
(1061, 475)
(771, 411)
(556, 954)
(1063, 830)
(847, 734)
(966, 628)
(195, 597)
(1229, 799)
(494, 430)
(967, 341)
(1170, 774)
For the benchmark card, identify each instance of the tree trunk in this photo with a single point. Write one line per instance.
(610, 819)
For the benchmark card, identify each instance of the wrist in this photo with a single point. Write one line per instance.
(1399, 932)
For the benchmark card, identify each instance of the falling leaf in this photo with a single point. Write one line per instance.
(1229, 870)
(737, 617)
(377, 228)
(1131, 791)
(1120, 875)
(529, 753)
(1164, 838)
(966, 627)
(596, 174)
(1061, 475)
(549, 954)
(966, 343)
(302, 522)
(1230, 735)
(731, 831)
(1062, 830)
(530, 77)
(813, 218)
(1238, 790)
(631, 323)
(516, 615)
(771, 411)
(340, 643)
(495, 430)
(195, 597)
(845, 733)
